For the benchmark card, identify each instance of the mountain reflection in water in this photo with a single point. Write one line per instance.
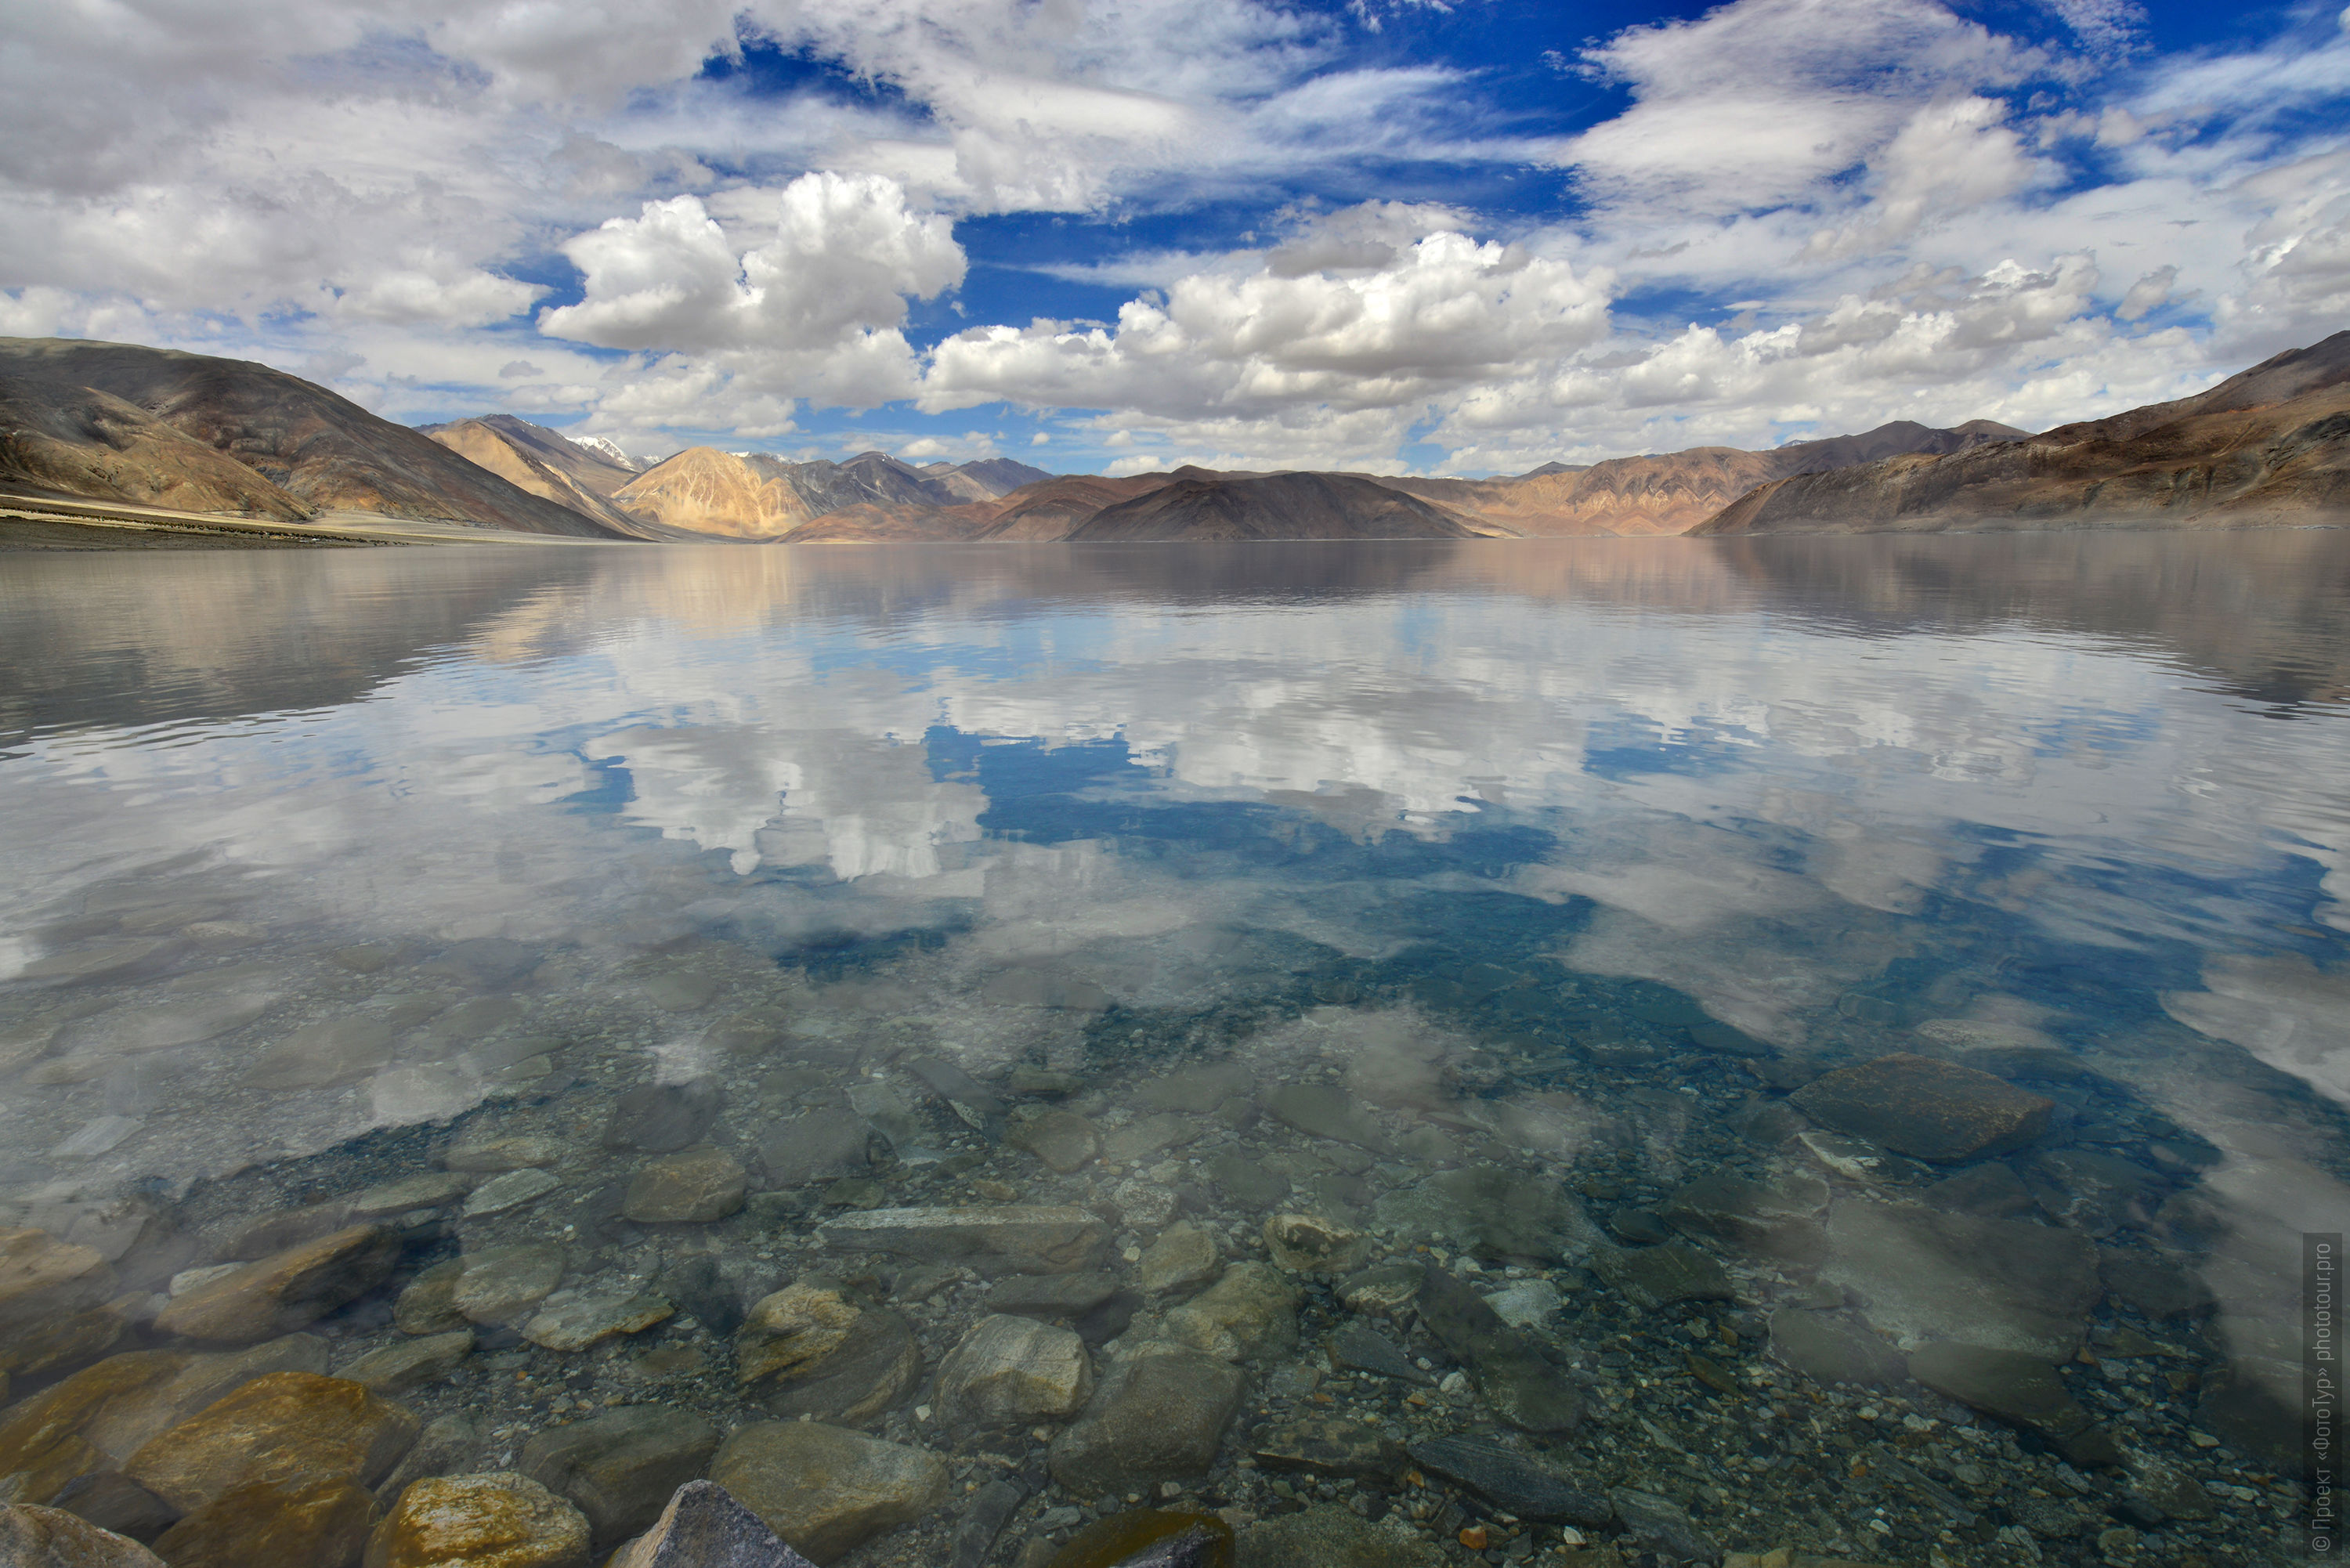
(1565, 862)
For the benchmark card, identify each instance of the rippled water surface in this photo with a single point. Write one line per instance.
(1270, 913)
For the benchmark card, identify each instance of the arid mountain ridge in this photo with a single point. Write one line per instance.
(125, 424)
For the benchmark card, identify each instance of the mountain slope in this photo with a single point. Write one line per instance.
(544, 462)
(1202, 505)
(323, 450)
(705, 491)
(2271, 446)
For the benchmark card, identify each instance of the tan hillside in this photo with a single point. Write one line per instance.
(706, 491)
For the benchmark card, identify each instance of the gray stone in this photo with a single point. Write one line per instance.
(32, 1537)
(621, 1468)
(2255, 1404)
(486, 1151)
(1934, 1110)
(1529, 1303)
(1986, 1193)
(1658, 1276)
(1385, 1290)
(1920, 1275)
(450, 1445)
(1326, 1110)
(1512, 1481)
(813, 1349)
(492, 961)
(2153, 1286)
(1315, 1244)
(1198, 1090)
(499, 1284)
(1146, 1136)
(2020, 1389)
(1510, 1373)
(1329, 1536)
(429, 1304)
(1247, 1181)
(505, 1194)
(97, 961)
(1359, 1347)
(321, 1055)
(888, 1113)
(973, 1103)
(1143, 1204)
(1183, 1256)
(1249, 1313)
(430, 1190)
(695, 1186)
(1042, 1081)
(661, 1118)
(1661, 1525)
(1010, 1370)
(407, 1364)
(1330, 1449)
(2097, 1194)
(1492, 1212)
(704, 1527)
(1156, 1417)
(821, 1145)
(825, 1490)
(1777, 1219)
(589, 1318)
(1015, 1238)
(985, 1515)
(1828, 1350)
(1050, 1295)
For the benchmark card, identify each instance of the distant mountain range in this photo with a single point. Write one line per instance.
(2269, 446)
(127, 425)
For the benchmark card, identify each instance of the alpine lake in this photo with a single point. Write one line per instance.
(1593, 1053)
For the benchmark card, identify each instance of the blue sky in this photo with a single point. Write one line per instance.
(1115, 234)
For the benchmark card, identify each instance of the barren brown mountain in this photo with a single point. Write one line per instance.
(312, 450)
(705, 491)
(2268, 447)
(1200, 504)
(544, 462)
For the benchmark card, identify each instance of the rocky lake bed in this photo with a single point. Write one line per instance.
(1496, 1265)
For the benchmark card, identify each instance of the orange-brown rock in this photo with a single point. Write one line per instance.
(288, 1427)
(45, 1285)
(321, 1523)
(495, 1521)
(283, 1292)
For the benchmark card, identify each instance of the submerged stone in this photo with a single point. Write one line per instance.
(1829, 1351)
(825, 1490)
(813, 1349)
(1512, 1481)
(1315, 1244)
(661, 1118)
(1934, 1110)
(1777, 1219)
(499, 1284)
(284, 1292)
(1324, 1110)
(318, 1522)
(1245, 1181)
(1493, 1213)
(503, 1194)
(1661, 1525)
(1016, 1369)
(1329, 1536)
(818, 1146)
(1658, 1276)
(1920, 1275)
(2018, 1388)
(1050, 1295)
(1249, 1313)
(460, 1522)
(286, 1428)
(1330, 1449)
(1183, 1256)
(1018, 1239)
(1156, 1417)
(587, 1320)
(1359, 1347)
(703, 1527)
(695, 1186)
(411, 1362)
(1511, 1375)
(34, 1537)
(1063, 1140)
(618, 1468)
(1148, 1538)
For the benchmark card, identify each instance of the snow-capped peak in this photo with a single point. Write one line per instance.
(603, 449)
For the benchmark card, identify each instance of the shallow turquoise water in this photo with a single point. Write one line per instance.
(1523, 812)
